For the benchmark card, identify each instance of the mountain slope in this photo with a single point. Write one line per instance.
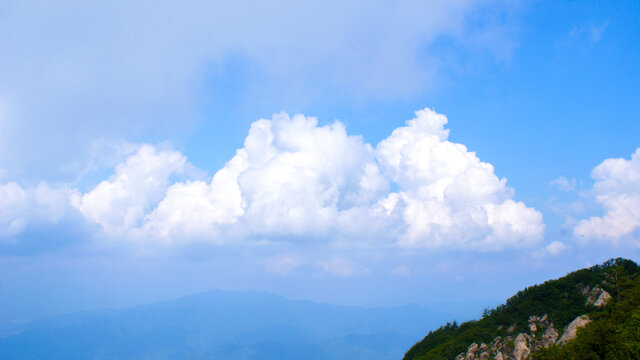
(613, 333)
(532, 320)
(224, 325)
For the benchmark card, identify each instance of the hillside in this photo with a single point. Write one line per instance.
(224, 325)
(599, 304)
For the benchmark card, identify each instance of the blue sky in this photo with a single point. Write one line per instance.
(134, 165)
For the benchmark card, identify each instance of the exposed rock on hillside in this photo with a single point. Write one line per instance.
(509, 331)
(542, 335)
(570, 333)
(598, 297)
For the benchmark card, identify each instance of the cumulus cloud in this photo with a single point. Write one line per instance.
(21, 206)
(553, 249)
(294, 180)
(138, 184)
(617, 189)
(448, 197)
(556, 248)
(291, 178)
(297, 181)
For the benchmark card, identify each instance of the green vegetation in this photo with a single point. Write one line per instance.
(614, 333)
(563, 301)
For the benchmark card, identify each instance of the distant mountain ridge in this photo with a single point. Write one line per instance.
(225, 325)
(567, 318)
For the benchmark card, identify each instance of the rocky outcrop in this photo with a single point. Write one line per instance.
(519, 347)
(602, 299)
(598, 297)
(548, 338)
(542, 334)
(571, 330)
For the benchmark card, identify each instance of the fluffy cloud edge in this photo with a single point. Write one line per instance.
(20, 206)
(617, 190)
(297, 181)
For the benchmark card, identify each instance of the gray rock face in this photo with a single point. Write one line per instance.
(549, 337)
(602, 299)
(521, 347)
(598, 297)
(470, 354)
(542, 334)
(571, 330)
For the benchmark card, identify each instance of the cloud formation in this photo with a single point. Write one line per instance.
(292, 179)
(617, 189)
(122, 201)
(448, 197)
(297, 181)
(20, 206)
(86, 70)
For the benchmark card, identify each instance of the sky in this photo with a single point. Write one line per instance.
(444, 153)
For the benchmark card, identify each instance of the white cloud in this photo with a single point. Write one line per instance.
(21, 206)
(448, 197)
(556, 248)
(296, 181)
(292, 178)
(13, 209)
(300, 178)
(139, 183)
(563, 183)
(617, 189)
(553, 249)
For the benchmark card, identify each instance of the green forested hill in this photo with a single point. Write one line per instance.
(613, 334)
(614, 328)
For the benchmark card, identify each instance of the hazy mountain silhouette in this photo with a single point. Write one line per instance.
(225, 325)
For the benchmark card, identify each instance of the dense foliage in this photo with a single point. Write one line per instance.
(560, 299)
(614, 333)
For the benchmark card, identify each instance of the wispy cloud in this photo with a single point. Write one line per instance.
(586, 33)
(564, 184)
(343, 267)
(555, 248)
(122, 69)
(283, 264)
